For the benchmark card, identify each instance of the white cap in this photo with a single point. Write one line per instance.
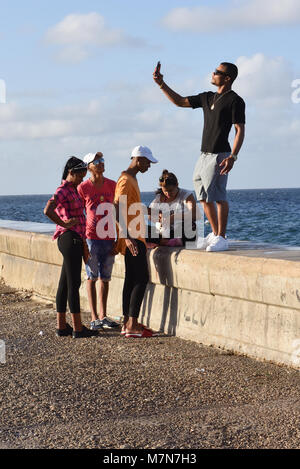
(89, 158)
(143, 151)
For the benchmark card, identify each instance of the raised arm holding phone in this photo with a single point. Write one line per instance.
(221, 110)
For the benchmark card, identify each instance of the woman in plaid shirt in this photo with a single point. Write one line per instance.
(66, 209)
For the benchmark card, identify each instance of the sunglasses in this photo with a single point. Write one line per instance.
(219, 72)
(100, 160)
(169, 181)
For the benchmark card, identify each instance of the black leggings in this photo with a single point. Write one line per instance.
(136, 279)
(70, 245)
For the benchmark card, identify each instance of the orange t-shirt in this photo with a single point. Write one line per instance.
(127, 193)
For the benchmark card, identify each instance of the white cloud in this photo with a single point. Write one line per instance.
(264, 83)
(115, 122)
(79, 34)
(237, 14)
(266, 79)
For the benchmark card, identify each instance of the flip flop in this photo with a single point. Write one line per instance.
(139, 335)
(123, 331)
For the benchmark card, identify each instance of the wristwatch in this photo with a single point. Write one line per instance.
(234, 156)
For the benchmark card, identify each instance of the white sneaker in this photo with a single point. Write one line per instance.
(218, 244)
(207, 240)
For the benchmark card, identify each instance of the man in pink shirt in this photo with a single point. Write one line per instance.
(96, 191)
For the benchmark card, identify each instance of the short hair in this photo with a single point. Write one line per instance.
(231, 70)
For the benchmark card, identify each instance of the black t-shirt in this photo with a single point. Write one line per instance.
(228, 110)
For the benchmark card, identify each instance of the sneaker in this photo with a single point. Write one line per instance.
(96, 325)
(85, 332)
(218, 244)
(208, 240)
(64, 332)
(107, 323)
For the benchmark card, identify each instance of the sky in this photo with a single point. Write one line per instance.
(76, 77)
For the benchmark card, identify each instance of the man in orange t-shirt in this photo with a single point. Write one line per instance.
(131, 241)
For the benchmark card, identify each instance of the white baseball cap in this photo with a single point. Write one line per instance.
(143, 151)
(90, 157)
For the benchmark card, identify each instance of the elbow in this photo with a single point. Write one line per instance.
(47, 209)
(181, 103)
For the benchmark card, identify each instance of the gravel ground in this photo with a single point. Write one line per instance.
(110, 392)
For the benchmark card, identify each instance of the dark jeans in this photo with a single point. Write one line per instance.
(70, 245)
(136, 279)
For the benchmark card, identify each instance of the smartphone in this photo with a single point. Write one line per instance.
(157, 68)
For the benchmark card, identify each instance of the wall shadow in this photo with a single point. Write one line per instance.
(170, 313)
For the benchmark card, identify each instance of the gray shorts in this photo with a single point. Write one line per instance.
(209, 185)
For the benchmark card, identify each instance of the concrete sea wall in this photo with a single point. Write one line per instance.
(244, 300)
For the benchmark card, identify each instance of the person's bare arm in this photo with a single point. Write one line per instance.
(174, 97)
(123, 233)
(49, 211)
(239, 138)
(228, 163)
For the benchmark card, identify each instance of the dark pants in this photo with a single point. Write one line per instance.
(156, 240)
(136, 279)
(70, 245)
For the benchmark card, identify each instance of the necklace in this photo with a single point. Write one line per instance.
(212, 107)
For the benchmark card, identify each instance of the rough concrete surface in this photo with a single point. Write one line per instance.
(112, 392)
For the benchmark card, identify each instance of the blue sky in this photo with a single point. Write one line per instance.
(79, 79)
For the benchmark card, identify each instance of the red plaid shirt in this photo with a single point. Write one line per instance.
(69, 205)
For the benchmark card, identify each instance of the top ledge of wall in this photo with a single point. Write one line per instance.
(254, 272)
(249, 249)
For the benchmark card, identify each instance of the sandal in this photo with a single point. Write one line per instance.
(140, 335)
(123, 331)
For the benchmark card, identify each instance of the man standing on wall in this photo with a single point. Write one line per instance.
(221, 110)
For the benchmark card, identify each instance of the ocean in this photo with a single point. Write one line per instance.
(262, 215)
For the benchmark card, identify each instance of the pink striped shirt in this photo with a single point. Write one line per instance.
(69, 205)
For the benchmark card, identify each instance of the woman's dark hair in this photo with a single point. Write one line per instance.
(75, 164)
(167, 179)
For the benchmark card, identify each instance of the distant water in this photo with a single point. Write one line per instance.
(265, 215)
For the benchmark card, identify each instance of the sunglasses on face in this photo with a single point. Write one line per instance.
(167, 179)
(98, 161)
(219, 72)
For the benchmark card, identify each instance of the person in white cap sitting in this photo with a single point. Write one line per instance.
(95, 191)
(131, 241)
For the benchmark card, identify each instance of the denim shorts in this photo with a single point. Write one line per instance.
(101, 262)
(209, 184)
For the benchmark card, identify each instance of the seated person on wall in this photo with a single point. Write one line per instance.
(174, 213)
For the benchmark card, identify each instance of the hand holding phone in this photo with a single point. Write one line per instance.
(157, 68)
(157, 76)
